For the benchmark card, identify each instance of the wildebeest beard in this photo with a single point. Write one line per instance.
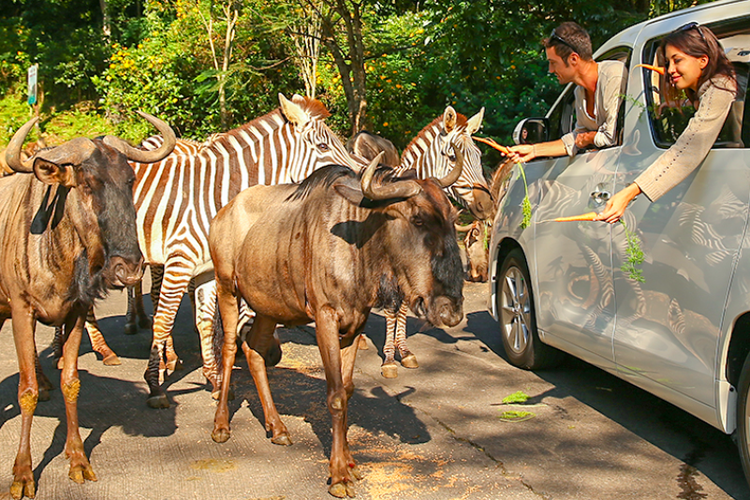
(85, 287)
(50, 211)
(389, 294)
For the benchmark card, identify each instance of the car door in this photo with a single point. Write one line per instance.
(575, 295)
(668, 326)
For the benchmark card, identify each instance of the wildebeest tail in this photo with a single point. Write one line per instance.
(217, 332)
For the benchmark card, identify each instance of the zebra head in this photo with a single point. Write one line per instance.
(314, 140)
(439, 158)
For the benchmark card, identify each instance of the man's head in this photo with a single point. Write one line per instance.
(566, 47)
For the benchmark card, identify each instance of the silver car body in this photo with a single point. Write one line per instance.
(670, 335)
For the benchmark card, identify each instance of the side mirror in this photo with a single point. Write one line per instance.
(531, 131)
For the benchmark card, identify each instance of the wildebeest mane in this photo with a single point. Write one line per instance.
(85, 287)
(325, 177)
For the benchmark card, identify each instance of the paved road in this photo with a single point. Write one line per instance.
(432, 433)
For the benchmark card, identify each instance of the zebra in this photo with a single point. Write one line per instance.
(430, 153)
(177, 198)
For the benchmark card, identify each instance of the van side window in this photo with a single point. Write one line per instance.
(669, 119)
(562, 117)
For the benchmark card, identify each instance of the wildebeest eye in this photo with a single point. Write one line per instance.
(417, 220)
(323, 146)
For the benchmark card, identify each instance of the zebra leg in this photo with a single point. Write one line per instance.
(205, 308)
(131, 327)
(408, 360)
(389, 368)
(98, 344)
(163, 358)
(57, 344)
(43, 382)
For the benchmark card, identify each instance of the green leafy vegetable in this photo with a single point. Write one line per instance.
(516, 397)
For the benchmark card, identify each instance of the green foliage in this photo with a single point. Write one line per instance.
(516, 397)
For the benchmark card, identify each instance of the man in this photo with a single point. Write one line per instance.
(599, 87)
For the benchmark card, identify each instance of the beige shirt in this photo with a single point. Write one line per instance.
(691, 148)
(611, 80)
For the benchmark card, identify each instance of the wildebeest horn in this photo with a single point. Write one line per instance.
(140, 155)
(13, 153)
(398, 189)
(454, 174)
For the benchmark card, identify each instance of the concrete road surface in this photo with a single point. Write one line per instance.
(433, 433)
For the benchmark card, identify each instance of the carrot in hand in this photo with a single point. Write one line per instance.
(491, 143)
(575, 218)
(658, 69)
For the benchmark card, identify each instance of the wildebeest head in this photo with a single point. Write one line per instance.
(91, 183)
(305, 116)
(419, 238)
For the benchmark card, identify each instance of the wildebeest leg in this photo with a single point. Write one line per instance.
(229, 316)
(98, 344)
(70, 385)
(339, 388)
(389, 368)
(408, 359)
(259, 341)
(24, 323)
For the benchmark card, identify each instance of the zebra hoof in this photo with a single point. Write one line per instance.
(174, 365)
(389, 370)
(216, 395)
(112, 360)
(144, 322)
(409, 361)
(131, 328)
(158, 402)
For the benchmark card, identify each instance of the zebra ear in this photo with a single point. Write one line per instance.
(293, 112)
(449, 119)
(475, 122)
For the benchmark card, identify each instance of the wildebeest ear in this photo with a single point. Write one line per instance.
(352, 195)
(293, 112)
(51, 173)
(475, 122)
(449, 119)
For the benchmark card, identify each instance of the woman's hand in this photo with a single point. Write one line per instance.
(521, 153)
(618, 203)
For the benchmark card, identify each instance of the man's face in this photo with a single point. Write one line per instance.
(564, 72)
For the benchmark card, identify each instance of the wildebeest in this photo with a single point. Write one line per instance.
(325, 250)
(477, 255)
(67, 233)
(369, 145)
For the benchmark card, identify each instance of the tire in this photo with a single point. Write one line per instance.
(515, 306)
(743, 418)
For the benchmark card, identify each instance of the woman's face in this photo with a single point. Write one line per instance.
(685, 70)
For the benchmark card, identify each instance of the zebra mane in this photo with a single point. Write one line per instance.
(461, 121)
(313, 107)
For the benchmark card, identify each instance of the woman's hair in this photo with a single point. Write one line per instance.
(697, 41)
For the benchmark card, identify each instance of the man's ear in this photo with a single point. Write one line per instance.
(52, 173)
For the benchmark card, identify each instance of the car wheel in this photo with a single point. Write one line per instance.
(743, 418)
(515, 306)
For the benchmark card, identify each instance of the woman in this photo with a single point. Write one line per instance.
(697, 65)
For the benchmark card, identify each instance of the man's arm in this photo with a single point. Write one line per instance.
(614, 86)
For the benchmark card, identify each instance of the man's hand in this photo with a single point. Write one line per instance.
(618, 203)
(521, 153)
(585, 139)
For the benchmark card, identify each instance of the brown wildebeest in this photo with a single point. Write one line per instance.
(67, 233)
(325, 251)
(477, 253)
(369, 145)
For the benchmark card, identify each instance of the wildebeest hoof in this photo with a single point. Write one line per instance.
(363, 343)
(112, 360)
(220, 435)
(216, 395)
(21, 488)
(389, 371)
(355, 472)
(60, 363)
(341, 490)
(79, 473)
(410, 361)
(282, 439)
(158, 402)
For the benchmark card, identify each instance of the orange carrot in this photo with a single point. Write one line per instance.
(658, 69)
(585, 217)
(491, 143)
